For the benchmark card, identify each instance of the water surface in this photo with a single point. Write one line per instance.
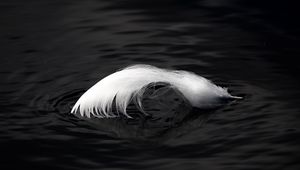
(52, 51)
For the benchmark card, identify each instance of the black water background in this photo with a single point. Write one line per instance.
(52, 51)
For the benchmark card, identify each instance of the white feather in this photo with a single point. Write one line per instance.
(123, 86)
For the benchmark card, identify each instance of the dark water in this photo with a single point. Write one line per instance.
(52, 51)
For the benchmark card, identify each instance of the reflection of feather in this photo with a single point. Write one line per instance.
(123, 86)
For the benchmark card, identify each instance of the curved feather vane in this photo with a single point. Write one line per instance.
(120, 88)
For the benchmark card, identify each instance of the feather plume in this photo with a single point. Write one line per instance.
(129, 84)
